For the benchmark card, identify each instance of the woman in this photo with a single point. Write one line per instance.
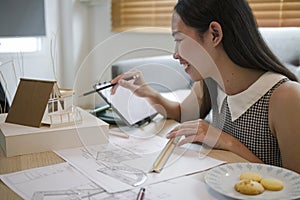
(255, 100)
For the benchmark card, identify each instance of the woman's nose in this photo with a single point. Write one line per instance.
(176, 55)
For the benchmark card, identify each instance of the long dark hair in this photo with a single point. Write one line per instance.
(241, 39)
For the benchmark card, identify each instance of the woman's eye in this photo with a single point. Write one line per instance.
(178, 39)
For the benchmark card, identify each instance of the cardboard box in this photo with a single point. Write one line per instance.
(18, 139)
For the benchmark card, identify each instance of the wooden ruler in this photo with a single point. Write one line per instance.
(164, 155)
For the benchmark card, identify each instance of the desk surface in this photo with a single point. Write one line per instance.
(18, 163)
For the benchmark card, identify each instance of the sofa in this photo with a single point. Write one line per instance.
(285, 44)
(165, 74)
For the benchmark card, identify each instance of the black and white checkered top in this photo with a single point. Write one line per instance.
(251, 127)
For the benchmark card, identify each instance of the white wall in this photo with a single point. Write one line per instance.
(85, 46)
(39, 65)
(108, 46)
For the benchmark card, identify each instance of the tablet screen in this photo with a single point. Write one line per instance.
(131, 108)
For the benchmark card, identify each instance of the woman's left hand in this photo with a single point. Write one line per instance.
(197, 131)
(201, 131)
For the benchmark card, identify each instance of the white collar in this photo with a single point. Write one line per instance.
(241, 102)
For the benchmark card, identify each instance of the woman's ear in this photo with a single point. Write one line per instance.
(216, 31)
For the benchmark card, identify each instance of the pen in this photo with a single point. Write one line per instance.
(107, 86)
(141, 194)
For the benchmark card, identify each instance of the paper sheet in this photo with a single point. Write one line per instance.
(182, 188)
(144, 144)
(175, 189)
(100, 171)
(101, 163)
(62, 181)
(50, 179)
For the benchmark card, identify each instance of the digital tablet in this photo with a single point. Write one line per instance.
(133, 110)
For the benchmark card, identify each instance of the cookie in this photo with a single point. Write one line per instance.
(251, 176)
(272, 184)
(249, 187)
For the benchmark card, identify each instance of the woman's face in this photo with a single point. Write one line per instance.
(191, 50)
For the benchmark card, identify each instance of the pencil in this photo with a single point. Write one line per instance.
(107, 86)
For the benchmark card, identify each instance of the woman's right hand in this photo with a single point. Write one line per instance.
(140, 88)
(137, 85)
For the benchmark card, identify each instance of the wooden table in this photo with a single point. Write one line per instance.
(18, 163)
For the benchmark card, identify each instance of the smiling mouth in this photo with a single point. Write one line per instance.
(186, 65)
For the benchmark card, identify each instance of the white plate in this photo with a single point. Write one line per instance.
(223, 178)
